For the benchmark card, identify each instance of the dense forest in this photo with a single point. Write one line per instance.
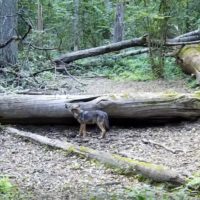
(138, 61)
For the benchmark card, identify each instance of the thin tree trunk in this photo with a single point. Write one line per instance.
(40, 25)
(8, 25)
(119, 23)
(76, 25)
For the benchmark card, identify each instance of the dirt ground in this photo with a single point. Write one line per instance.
(45, 173)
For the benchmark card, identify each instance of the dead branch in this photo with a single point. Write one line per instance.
(174, 43)
(132, 53)
(18, 38)
(45, 48)
(128, 166)
(192, 33)
(41, 71)
(161, 145)
(72, 77)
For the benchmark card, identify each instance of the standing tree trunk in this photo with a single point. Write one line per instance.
(8, 23)
(157, 29)
(40, 25)
(76, 25)
(119, 23)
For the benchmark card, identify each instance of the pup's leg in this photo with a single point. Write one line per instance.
(81, 130)
(102, 128)
(84, 130)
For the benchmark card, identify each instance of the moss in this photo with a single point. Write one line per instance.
(70, 151)
(197, 94)
(86, 149)
(113, 97)
(125, 96)
(142, 164)
(189, 50)
(171, 94)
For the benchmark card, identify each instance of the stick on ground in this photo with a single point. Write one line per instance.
(161, 145)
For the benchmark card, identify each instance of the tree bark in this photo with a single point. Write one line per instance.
(148, 107)
(8, 23)
(123, 165)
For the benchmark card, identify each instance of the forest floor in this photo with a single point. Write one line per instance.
(45, 173)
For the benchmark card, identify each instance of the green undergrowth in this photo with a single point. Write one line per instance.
(192, 83)
(149, 192)
(135, 69)
(9, 191)
(189, 191)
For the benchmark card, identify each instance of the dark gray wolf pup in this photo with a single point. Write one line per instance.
(85, 117)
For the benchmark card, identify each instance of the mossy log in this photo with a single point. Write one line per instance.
(189, 60)
(123, 165)
(153, 107)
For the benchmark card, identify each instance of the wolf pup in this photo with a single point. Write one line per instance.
(89, 117)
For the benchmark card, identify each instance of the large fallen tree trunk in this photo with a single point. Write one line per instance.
(188, 38)
(189, 60)
(153, 107)
(69, 57)
(123, 165)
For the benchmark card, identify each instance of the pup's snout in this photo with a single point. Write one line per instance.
(66, 106)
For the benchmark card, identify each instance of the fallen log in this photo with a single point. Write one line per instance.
(188, 38)
(123, 165)
(192, 33)
(153, 107)
(69, 57)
